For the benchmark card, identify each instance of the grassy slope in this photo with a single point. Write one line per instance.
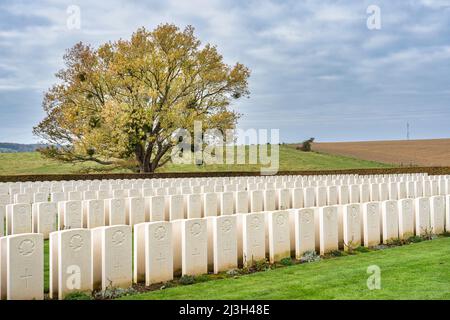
(290, 159)
(415, 271)
(33, 163)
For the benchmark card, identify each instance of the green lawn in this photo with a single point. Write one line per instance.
(290, 160)
(34, 163)
(415, 271)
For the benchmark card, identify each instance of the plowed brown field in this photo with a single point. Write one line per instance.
(401, 152)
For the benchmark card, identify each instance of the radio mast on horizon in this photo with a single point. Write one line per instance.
(407, 131)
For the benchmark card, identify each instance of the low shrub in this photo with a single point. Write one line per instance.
(286, 262)
(309, 256)
(186, 280)
(362, 249)
(78, 296)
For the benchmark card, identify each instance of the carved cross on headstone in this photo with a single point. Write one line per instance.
(25, 277)
(161, 259)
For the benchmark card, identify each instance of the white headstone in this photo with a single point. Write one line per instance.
(384, 191)
(284, 199)
(434, 186)
(437, 214)
(112, 257)
(103, 194)
(253, 238)
(135, 208)
(371, 224)
(226, 203)
(70, 262)
(328, 229)
(93, 213)
(89, 195)
(155, 207)
(242, 202)
(279, 238)
(422, 216)
(364, 190)
(24, 262)
(393, 191)
(224, 244)
(351, 226)
(389, 220)
(427, 188)
(256, 201)
(374, 192)
(410, 189)
(194, 206)
(303, 231)
(70, 215)
(194, 246)
(332, 195)
(115, 212)
(176, 207)
(40, 197)
(75, 196)
(309, 197)
(119, 193)
(419, 189)
(402, 190)
(158, 252)
(5, 199)
(58, 196)
(354, 193)
(344, 194)
(18, 218)
(297, 198)
(210, 206)
(44, 218)
(406, 218)
(23, 198)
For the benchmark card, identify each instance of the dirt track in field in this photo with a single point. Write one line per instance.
(401, 152)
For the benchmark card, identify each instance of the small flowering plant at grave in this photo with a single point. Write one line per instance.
(309, 256)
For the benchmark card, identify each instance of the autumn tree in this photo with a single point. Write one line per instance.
(126, 99)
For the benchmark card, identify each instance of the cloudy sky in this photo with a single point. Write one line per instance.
(317, 70)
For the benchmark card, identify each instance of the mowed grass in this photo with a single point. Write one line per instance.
(290, 159)
(34, 163)
(415, 271)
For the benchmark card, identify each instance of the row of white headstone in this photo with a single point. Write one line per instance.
(101, 258)
(32, 192)
(45, 217)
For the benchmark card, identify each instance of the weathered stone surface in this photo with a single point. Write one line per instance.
(158, 252)
(437, 214)
(389, 220)
(279, 238)
(18, 218)
(44, 218)
(135, 209)
(253, 238)
(371, 224)
(194, 247)
(422, 216)
(328, 229)
(112, 257)
(23, 267)
(406, 218)
(70, 262)
(302, 231)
